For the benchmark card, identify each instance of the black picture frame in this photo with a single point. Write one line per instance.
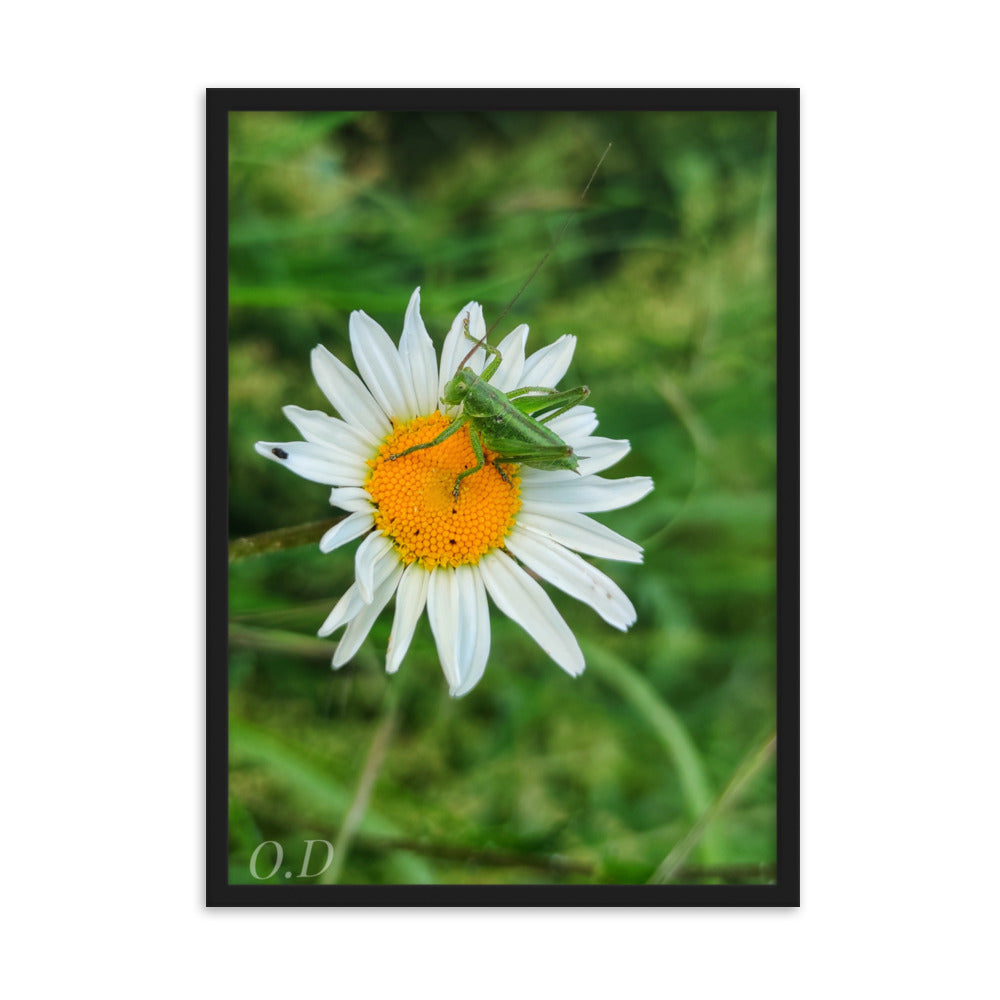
(785, 889)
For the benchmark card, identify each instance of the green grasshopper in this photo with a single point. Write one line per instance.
(510, 424)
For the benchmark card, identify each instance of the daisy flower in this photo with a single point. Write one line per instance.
(435, 550)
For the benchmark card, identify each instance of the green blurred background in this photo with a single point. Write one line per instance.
(667, 278)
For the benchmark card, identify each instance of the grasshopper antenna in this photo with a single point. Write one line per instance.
(569, 218)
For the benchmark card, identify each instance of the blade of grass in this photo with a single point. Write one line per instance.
(274, 640)
(273, 615)
(300, 132)
(749, 767)
(295, 769)
(299, 772)
(670, 730)
(362, 795)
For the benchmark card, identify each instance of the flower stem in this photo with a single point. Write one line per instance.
(280, 538)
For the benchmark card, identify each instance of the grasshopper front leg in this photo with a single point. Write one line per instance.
(491, 352)
(452, 428)
(477, 448)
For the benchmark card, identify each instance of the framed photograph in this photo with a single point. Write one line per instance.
(502, 569)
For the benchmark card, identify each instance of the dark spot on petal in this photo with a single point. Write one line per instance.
(417, 532)
(451, 541)
(279, 453)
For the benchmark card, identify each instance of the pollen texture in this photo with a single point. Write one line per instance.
(416, 505)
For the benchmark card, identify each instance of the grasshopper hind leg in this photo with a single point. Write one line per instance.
(503, 475)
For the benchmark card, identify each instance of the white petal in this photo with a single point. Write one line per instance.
(352, 603)
(579, 532)
(591, 493)
(417, 352)
(547, 366)
(442, 613)
(574, 425)
(599, 453)
(410, 600)
(467, 634)
(573, 576)
(511, 349)
(371, 552)
(347, 530)
(320, 428)
(343, 611)
(348, 395)
(381, 367)
(595, 454)
(475, 615)
(361, 624)
(519, 597)
(457, 345)
(315, 462)
(468, 619)
(351, 498)
(483, 635)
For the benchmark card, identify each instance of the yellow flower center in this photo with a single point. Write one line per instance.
(416, 504)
